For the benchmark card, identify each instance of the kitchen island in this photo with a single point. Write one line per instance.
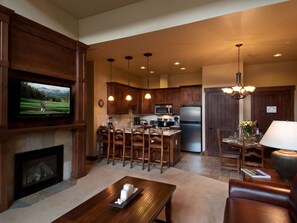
(172, 137)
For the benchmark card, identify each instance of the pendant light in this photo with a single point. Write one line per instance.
(238, 91)
(110, 97)
(148, 95)
(128, 97)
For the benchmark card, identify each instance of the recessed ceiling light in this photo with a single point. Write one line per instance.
(182, 68)
(177, 63)
(277, 55)
(143, 68)
(152, 72)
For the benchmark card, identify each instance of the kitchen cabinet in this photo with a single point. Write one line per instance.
(135, 102)
(185, 95)
(175, 100)
(190, 95)
(158, 96)
(147, 105)
(119, 105)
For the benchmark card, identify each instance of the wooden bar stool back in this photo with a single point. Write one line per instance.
(119, 145)
(104, 143)
(157, 149)
(138, 146)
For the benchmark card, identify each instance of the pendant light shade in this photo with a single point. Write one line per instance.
(128, 97)
(110, 97)
(147, 55)
(238, 91)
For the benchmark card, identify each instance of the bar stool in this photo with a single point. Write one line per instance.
(157, 149)
(138, 146)
(119, 146)
(104, 142)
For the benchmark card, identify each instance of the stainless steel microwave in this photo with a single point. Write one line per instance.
(163, 109)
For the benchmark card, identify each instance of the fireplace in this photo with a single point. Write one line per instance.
(38, 169)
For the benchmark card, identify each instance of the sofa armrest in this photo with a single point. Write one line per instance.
(262, 193)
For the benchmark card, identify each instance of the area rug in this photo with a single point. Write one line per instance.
(196, 198)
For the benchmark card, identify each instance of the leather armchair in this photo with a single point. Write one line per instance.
(252, 203)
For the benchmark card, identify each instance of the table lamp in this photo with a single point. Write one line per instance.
(282, 135)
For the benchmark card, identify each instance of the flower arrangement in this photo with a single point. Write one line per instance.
(247, 127)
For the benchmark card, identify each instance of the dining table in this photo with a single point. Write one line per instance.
(251, 151)
(238, 143)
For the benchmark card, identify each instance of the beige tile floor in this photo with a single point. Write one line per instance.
(208, 166)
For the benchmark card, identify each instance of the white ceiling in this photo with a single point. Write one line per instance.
(263, 32)
(81, 9)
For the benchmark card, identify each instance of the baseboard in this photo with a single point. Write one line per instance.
(92, 158)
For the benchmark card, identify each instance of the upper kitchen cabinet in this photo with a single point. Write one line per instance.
(178, 96)
(135, 102)
(158, 96)
(168, 96)
(120, 104)
(190, 95)
(175, 99)
(147, 105)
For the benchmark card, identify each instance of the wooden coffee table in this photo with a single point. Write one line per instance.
(275, 180)
(145, 207)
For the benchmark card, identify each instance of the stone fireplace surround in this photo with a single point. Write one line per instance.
(34, 141)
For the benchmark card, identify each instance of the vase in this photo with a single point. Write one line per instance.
(246, 134)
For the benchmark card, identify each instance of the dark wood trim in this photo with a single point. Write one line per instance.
(92, 158)
(213, 89)
(276, 88)
(3, 177)
(46, 128)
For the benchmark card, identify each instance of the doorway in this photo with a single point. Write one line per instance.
(221, 111)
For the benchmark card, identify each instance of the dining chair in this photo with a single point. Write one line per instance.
(138, 147)
(229, 156)
(104, 143)
(158, 151)
(252, 156)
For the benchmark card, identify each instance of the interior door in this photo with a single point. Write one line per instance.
(221, 111)
(272, 103)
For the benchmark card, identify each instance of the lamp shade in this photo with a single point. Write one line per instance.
(281, 135)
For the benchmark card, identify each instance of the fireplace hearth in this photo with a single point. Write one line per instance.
(38, 169)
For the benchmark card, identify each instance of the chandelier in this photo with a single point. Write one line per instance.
(238, 91)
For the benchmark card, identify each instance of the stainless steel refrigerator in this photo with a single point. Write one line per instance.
(191, 128)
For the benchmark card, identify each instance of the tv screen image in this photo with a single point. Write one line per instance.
(44, 99)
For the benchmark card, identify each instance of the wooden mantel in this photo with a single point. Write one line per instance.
(48, 55)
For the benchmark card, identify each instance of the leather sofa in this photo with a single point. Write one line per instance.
(252, 203)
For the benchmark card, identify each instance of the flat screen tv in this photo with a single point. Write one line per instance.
(39, 99)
